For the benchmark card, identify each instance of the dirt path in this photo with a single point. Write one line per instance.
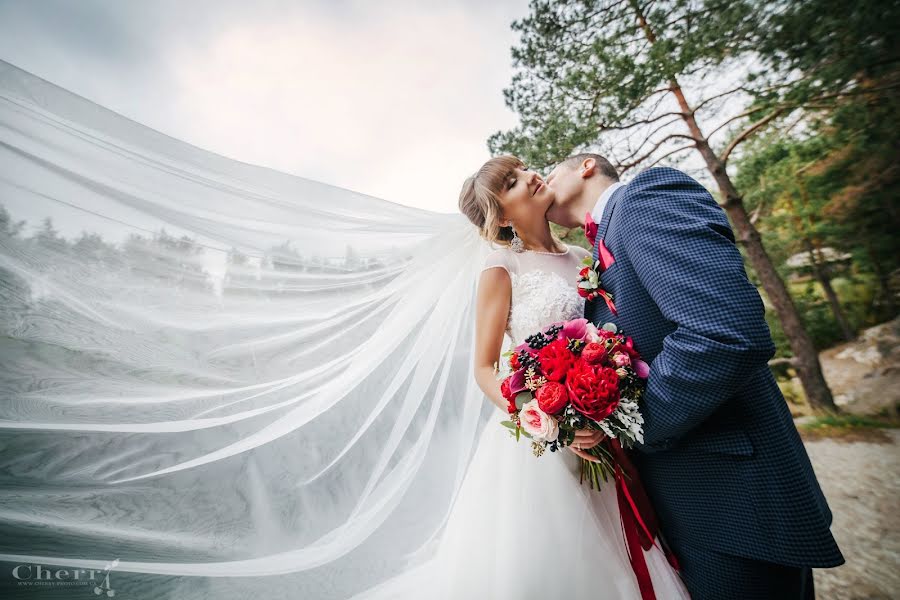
(862, 483)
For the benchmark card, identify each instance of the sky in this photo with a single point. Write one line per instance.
(395, 99)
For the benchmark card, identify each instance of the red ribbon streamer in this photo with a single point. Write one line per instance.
(639, 522)
(609, 303)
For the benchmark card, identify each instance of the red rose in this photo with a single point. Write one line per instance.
(510, 397)
(555, 360)
(584, 272)
(514, 362)
(594, 353)
(594, 392)
(552, 397)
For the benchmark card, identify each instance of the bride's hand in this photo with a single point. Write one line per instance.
(585, 439)
(584, 455)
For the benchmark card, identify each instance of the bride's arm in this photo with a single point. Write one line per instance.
(491, 312)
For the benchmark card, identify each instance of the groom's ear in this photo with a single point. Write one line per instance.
(588, 168)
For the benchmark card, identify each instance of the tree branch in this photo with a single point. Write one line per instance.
(780, 110)
(646, 138)
(643, 99)
(656, 146)
(661, 127)
(605, 128)
(634, 105)
(750, 131)
(746, 113)
(717, 96)
(811, 103)
(587, 19)
(752, 92)
(852, 92)
(670, 153)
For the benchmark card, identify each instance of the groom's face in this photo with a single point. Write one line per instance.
(566, 183)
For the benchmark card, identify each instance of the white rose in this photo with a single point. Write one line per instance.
(537, 423)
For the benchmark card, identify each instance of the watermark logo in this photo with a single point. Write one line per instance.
(41, 576)
(99, 589)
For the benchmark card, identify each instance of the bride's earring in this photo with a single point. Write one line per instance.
(516, 244)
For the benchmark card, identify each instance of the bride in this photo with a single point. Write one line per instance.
(221, 381)
(524, 527)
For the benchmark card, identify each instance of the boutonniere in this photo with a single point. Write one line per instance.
(589, 283)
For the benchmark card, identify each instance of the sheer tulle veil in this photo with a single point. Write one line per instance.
(218, 370)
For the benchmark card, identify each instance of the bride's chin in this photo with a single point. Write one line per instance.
(549, 208)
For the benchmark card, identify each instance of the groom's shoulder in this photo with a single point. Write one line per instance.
(664, 193)
(665, 185)
(661, 176)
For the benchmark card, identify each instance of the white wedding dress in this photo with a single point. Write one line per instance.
(524, 527)
(232, 382)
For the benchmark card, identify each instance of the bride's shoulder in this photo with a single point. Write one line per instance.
(503, 258)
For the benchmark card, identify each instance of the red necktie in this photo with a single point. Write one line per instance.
(590, 229)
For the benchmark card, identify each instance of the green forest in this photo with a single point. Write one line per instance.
(786, 111)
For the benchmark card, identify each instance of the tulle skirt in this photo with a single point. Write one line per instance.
(523, 527)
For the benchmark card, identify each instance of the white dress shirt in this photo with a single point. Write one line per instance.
(597, 213)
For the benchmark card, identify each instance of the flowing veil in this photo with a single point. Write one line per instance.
(217, 370)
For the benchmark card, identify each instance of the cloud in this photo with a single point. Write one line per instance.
(393, 99)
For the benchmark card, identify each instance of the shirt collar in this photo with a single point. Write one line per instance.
(597, 213)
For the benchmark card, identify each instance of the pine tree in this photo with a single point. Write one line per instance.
(649, 81)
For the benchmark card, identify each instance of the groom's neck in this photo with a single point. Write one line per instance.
(585, 202)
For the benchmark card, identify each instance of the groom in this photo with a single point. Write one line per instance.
(722, 461)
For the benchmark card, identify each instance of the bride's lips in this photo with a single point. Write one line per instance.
(537, 189)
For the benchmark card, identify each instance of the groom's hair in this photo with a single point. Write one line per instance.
(604, 166)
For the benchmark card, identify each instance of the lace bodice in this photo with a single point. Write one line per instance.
(543, 288)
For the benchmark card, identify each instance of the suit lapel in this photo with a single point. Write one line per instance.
(607, 215)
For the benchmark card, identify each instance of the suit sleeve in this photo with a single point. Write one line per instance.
(682, 248)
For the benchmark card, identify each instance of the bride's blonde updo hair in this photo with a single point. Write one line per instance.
(479, 200)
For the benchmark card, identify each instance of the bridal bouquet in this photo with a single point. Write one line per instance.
(573, 376)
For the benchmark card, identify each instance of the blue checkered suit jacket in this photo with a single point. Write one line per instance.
(722, 460)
